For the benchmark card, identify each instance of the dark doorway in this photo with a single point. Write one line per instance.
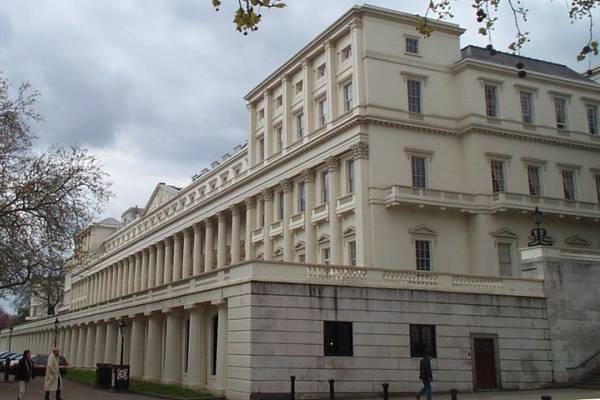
(485, 373)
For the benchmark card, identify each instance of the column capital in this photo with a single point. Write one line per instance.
(221, 215)
(249, 106)
(176, 237)
(250, 202)
(305, 63)
(285, 79)
(168, 241)
(197, 227)
(286, 185)
(208, 222)
(327, 45)
(308, 175)
(356, 23)
(187, 231)
(235, 209)
(333, 163)
(360, 150)
(267, 194)
(152, 248)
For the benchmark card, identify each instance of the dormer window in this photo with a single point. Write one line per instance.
(346, 53)
(321, 71)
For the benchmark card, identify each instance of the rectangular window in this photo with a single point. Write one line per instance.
(262, 213)
(347, 94)
(350, 176)
(299, 125)
(568, 178)
(352, 252)
(322, 106)
(422, 341)
(279, 135)
(301, 200)
(560, 112)
(337, 339)
(412, 45)
(298, 87)
(423, 255)
(498, 181)
(414, 96)
(279, 101)
(301, 258)
(261, 114)
(215, 337)
(187, 344)
(592, 117)
(597, 178)
(324, 187)
(505, 260)
(325, 255)
(419, 172)
(280, 196)
(534, 179)
(261, 149)
(321, 71)
(526, 107)
(491, 101)
(346, 53)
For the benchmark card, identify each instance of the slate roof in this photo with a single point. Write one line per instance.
(531, 64)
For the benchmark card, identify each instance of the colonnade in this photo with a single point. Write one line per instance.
(172, 346)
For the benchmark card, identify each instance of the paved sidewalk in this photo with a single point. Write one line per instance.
(72, 391)
(557, 394)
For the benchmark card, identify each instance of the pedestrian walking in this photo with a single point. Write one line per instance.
(425, 376)
(24, 374)
(53, 380)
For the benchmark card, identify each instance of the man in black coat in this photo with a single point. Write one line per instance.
(426, 376)
(24, 374)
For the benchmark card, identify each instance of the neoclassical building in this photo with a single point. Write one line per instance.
(376, 211)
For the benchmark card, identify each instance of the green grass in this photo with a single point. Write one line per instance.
(88, 377)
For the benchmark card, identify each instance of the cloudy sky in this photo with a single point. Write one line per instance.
(155, 87)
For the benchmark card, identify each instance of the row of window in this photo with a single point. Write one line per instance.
(338, 340)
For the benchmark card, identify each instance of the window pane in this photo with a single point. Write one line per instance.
(414, 96)
(422, 341)
(560, 110)
(324, 187)
(498, 183)
(350, 176)
(527, 107)
(491, 101)
(592, 116)
(299, 125)
(347, 93)
(533, 176)
(423, 255)
(412, 45)
(505, 259)
(352, 252)
(419, 174)
(300, 196)
(569, 184)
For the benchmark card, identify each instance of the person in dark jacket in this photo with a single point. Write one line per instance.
(426, 376)
(24, 374)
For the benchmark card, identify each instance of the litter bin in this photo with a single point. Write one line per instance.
(120, 377)
(103, 375)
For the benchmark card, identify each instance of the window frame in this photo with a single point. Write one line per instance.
(280, 205)
(352, 252)
(573, 173)
(347, 95)
(279, 137)
(530, 167)
(350, 176)
(321, 71)
(593, 122)
(415, 100)
(301, 199)
(419, 347)
(261, 114)
(299, 121)
(529, 95)
(429, 250)
(261, 149)
(279, 101)
(338, 331)
(346, 53)
(322, 111)
(492, 105)
(325, 255)
(407, 48)
(597, 182)
(324, 187)
(414, 157)
(511, 247)
(495, 179)
(299, 87)
(558, 116)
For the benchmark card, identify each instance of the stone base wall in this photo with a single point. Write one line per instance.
(285, 337)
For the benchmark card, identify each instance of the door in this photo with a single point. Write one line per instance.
(485, 372)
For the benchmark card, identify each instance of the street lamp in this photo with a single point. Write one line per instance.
(539, 236)
(123, 330)
(56, 331)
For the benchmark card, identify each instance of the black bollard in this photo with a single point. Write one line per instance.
(331, 389)
(292, 387)
(386, 388)
(546, 397)
(454, 394)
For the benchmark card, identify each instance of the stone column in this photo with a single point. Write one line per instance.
(307, 94)
(137, 278)
(74, 346)
(335, 234)
(90, 348)
(197, 263)
(187, 253)
(113, 288)
(109, 281)
(100, 343)
(250, 204)
(251, 134)
(363, 224)
(66, 344)
(267, 243)
(235, 233)
(172, 371)
(168, 272)
(136, 349)
(153, 356)
(177, 252)
(221, 239)
(125, 284)
(222, 347)
(144, 275)
(151, 266)
(330, 57)
(160, 263)
(81, 346)
(197, 356)
(119, 278)
(131, 279)
(288, 252)
(286, 95)
(208, 244)
(310, 243)
(358, 82)
(268, 123)
(110, 350)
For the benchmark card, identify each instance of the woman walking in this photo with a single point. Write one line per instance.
(24, 374)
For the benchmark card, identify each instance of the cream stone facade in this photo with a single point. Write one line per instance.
(387, 184)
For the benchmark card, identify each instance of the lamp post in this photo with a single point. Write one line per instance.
(123, 330)
(56, 322)
(539, 236)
